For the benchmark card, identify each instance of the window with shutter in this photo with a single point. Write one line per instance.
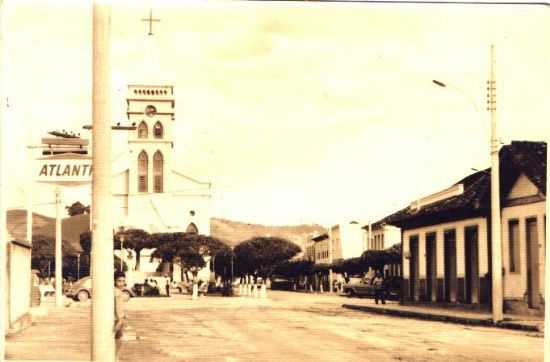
(158, 166)
(158, 130)
(142, 130)
(143, 164)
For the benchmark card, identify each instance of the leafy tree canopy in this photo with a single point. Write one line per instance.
(188, 249)
(351, 266)
(294, 268)
(44, 247)
(376, 259)
(77, 208)
(135, 239)
(86, 242)
(262, 255)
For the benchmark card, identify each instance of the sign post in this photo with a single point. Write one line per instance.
(67, 169)
(3, 209)
(58, 251)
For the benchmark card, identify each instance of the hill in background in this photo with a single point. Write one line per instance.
(231, 232)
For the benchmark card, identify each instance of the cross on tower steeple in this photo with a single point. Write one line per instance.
(150, 20)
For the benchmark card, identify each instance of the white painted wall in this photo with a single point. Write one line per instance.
(351, 240)
(20, 281)
(515, 284)
(439, 229)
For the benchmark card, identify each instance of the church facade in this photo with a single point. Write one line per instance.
(149, 192)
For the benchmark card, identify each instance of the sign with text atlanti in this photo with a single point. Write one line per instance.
(67, 168)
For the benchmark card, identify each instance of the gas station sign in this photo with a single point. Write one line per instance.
(67, 168)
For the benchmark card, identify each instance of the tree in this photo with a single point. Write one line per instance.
(352, 266)
(187, 249)
(77, 209)
(294, 268)
(43, 255)
(377, 259)
(262, 255)
(135, 239)
(86, 242)
(85, 259)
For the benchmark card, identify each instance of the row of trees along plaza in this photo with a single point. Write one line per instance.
(306, 274)
(259, 257)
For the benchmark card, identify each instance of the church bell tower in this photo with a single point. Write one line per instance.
(151, 109)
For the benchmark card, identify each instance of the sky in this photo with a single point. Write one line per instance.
(295, 112)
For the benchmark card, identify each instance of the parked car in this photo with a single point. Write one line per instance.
(81, 290)
(364, 288)
(281, 283)
(359, 288)
(187, 287)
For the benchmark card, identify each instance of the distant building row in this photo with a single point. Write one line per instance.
(350, 240)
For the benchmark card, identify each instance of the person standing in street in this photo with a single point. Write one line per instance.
(167, 286)
(379, 292)
(120, 307)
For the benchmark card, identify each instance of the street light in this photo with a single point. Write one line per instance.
(496, 238)
(78, 266)
(121, 237)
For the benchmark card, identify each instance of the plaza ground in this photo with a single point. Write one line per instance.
(286, 327)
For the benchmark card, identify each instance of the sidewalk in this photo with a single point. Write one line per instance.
(58, 334)
(517, 322)
(64, 334)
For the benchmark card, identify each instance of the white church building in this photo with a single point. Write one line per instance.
(149, 192)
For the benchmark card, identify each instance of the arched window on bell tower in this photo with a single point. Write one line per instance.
(143, 132)
(158, 166)
(143, 171)
(158, 130)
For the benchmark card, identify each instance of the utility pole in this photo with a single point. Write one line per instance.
(58, 250)
(3, 186)
(547, 264)
(496, 238)
(30, 184)
(103, 342)
(330, 258)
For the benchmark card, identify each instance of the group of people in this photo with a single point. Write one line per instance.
(150, 287)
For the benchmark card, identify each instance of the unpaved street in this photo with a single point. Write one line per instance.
(286, 327)
(301, 327)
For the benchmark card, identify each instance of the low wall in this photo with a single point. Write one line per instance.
(19, 281)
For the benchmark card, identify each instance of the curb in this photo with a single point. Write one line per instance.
(444, 318)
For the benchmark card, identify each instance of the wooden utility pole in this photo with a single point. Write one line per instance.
(547, 263)
(330, 258)
(29, 198)
(496, 237)
(3, 215)
(103, 343)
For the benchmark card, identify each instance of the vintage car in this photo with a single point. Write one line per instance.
(364, 288)
(81, 290)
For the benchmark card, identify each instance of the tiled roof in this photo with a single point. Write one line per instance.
(320, 237)
(528, 158)
(519, 157)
